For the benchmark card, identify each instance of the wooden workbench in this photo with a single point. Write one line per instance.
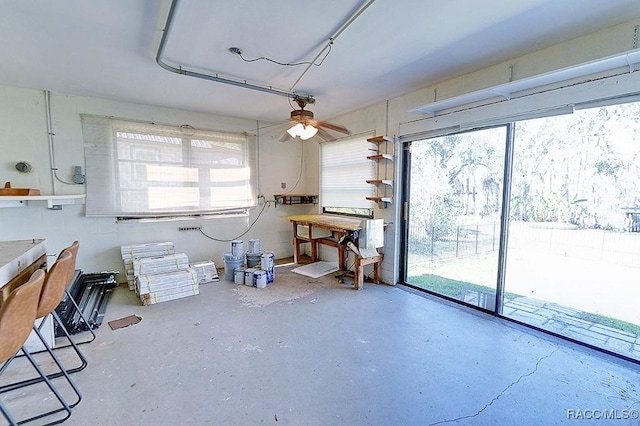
(338, 226)
(18, 260)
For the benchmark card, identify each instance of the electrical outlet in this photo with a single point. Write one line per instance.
(190, 228)
(261, 200)
(283, 185)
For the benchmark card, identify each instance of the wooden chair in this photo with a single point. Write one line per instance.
(52, 290)
(17, 315)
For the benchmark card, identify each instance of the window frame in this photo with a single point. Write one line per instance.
(106, 138)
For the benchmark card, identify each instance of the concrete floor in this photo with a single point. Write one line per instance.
(316, 352)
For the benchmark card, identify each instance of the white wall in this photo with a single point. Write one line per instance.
(23, 137)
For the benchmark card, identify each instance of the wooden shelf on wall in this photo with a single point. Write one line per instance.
(381, 157)
(380, 139)
(381, 182)
(381, 199)
(383, 154)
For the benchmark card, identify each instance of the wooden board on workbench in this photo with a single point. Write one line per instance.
(327, 221)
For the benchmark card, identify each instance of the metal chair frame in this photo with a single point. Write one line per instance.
(73, 249)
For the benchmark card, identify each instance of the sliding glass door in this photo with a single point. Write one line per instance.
(569, 262)
(573, 263)
(454, 206)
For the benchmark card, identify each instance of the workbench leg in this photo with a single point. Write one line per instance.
(314, 246)
(358, 275)
(296, 243)
(377, 271)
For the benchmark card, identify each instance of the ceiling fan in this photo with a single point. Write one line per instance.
(305, 126)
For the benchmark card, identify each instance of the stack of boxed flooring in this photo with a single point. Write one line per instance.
(156, 288)
(158, 265)
(136, 251)
(158, 278)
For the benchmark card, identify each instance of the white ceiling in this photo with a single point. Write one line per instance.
(107, 48)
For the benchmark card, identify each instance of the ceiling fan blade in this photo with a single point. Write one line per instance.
(324, 135)
(334, 127)
(285, 137)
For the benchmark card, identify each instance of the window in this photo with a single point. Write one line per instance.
(148, 170)
(344, 172)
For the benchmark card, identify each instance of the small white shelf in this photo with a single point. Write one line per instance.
(54, 202)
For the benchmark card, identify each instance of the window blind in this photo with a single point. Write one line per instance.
(149, 170)
(344, 171)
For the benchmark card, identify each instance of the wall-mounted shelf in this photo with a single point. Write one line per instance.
(380, 139)
(54, 202)
(381, 199)
(291, 199)
(381, 182)
(383, 156)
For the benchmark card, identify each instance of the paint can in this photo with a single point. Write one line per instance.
(260, 279)
(238, 275)
(267, 264)
(236, 248)
(231, 262)
(254, 259)
(248, 276)
(254, 246)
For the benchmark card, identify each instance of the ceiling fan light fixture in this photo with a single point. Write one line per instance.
(296, 130)
(308, 132)
(306, 127)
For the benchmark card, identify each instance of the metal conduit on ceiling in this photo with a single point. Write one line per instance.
(216, 78)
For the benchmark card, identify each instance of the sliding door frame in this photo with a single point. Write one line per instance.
(406, 144)
(504, 213)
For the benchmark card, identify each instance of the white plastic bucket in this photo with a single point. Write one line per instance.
(231, 262)
(254, 259)
(260, 279)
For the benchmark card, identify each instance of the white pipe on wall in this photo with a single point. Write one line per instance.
(52, 160)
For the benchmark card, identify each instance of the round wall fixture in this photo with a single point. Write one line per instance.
(23, 167)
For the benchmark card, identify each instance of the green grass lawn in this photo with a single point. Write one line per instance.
(453, 289)
(610, 322)
(449, 287)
